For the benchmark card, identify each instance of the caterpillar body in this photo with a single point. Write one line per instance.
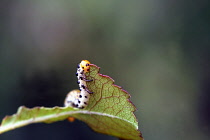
(71, 98)
(80, 98)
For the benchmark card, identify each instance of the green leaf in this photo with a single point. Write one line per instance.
(113, 101)
(25, 116)
(109, 110)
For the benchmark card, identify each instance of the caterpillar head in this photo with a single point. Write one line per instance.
(85, 65)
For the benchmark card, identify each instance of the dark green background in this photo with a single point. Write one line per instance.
(157, 50)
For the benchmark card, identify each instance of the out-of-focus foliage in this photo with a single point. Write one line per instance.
(157, 50)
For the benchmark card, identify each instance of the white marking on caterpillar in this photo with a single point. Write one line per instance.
(71, 97)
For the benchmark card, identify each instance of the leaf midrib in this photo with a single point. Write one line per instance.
(38, 119)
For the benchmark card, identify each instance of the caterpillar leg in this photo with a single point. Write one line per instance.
(86, 89)
(87, 80)
(90, 92)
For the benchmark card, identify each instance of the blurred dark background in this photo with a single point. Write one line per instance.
(157, 50)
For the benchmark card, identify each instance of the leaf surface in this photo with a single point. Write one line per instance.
(109, 110)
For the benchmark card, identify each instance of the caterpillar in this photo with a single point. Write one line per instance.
(79, 98)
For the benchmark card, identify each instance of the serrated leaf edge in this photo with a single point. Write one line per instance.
(119, 87)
